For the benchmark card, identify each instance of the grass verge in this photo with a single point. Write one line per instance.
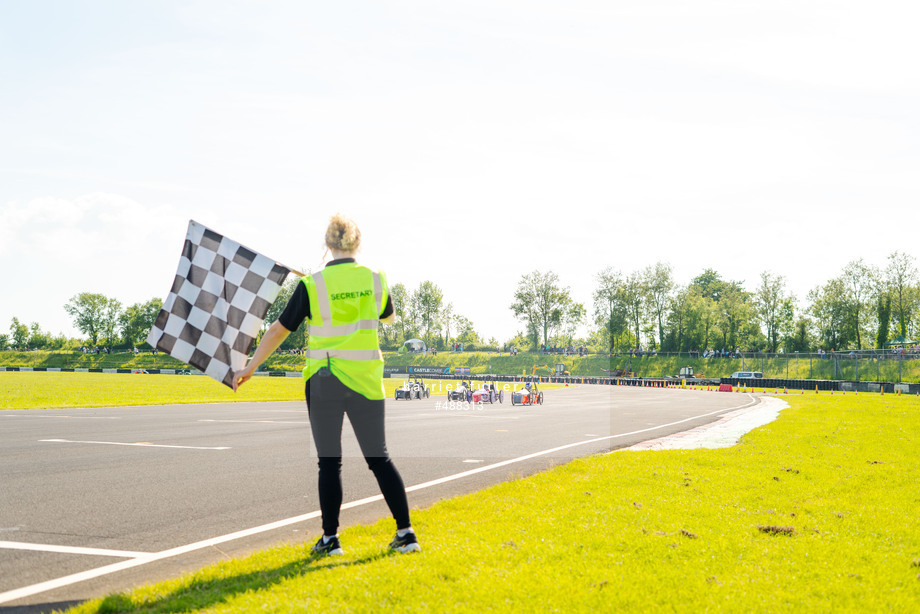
(47, 390)
(34, 390)
(814, 512)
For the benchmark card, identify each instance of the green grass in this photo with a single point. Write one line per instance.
(816, 512)
(30, 390)
(46, 390)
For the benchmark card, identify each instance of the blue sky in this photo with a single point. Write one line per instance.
(472, 141)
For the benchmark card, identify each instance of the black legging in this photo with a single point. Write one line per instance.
(328, 400)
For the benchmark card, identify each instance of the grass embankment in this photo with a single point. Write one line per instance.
(815, 512)
(661, 366)
(79, 360)
(34, 390)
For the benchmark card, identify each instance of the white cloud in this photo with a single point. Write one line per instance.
(98, 242)
(471, 141)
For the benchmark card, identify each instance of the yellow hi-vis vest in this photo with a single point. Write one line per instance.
(345, 304)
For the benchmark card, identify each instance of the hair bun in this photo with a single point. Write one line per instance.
(342, 234)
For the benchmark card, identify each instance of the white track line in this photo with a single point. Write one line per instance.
(41, 587)
(124, 554)
(457, 476)
(139, 443)
(63, 416)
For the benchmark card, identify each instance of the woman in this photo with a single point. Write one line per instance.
(343, 304)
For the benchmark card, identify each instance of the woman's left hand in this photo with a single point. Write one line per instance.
(240, 378)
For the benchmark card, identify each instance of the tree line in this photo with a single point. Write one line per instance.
(863, 307)
(104, 320)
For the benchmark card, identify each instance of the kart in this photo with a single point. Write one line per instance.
(413, 390)
(488, 394)
(460, 393)
(525, 397)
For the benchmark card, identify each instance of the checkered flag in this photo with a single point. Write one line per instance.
(217, 303)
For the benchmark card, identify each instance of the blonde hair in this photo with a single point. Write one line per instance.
(342, 234)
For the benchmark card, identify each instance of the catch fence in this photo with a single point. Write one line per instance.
(857, 366)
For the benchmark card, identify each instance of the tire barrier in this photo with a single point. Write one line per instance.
(105, 370)
(711, 384)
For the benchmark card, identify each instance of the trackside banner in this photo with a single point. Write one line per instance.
(429, 370)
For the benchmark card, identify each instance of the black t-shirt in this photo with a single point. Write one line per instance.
(298, 308)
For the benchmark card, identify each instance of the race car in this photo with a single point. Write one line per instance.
(528, 395)
(415, 389)
(460, 393)
(488, 394)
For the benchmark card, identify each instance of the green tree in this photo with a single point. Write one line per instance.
(609, 309)
(632, 294)
(710, 284)
(520, 341)
(659, 284)
(296, 340)
(60, 342)
(94, 315)
(136, 320)
(902, 278)
(466, 332)
(4, 341)
(426, 304)
(800, 339)
(787, 322)
(724, 311)
(109, 329)
(573, 316)
(37, 337)
(284, 296)
(403, 327)
(735, 317)
(449, 319)
(19, 334)
(706, 311)
(860, 280)
(883, 309)
(679, 322)
(832, 313)
(542, 304)
(772, 303)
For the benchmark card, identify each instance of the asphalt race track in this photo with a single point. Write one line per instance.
(129, 495)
